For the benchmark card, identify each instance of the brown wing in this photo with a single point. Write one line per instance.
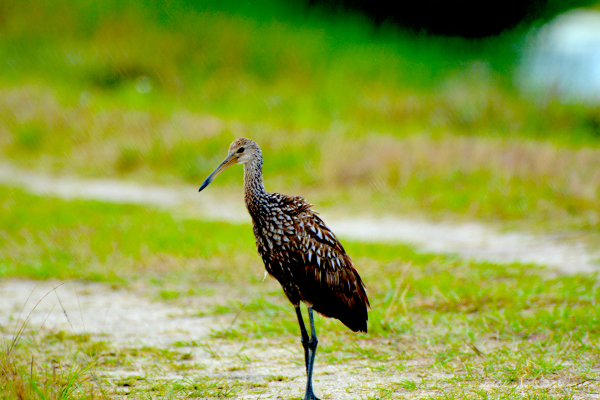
(330, 282)
(309, 261)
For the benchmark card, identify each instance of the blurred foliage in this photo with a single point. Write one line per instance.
(277, 62)
(368, 114)
(51, 238)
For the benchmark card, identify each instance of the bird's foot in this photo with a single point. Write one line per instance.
(310, 396)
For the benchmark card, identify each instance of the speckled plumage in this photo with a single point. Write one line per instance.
(300, 252)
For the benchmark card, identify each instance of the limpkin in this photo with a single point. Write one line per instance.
(300, 252)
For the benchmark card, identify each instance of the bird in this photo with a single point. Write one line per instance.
(300, 252)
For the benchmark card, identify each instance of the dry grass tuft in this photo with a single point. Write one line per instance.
(502, 179)
(575, 172)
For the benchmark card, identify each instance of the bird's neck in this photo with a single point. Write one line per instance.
(254, 190)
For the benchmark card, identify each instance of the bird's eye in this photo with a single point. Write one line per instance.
(240, 150)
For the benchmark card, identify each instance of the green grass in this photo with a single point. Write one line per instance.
(349, 115)
(115, 243)
(510, 181)
(419, 124)
(49, 367)
(57, 365)
(282, 64)
(490, 330)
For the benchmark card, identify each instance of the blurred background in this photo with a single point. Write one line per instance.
(434, 111)
(450, 110)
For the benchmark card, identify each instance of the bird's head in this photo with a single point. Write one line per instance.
(241, 151)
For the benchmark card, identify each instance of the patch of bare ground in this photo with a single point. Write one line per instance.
(157, 347)
(128, 319)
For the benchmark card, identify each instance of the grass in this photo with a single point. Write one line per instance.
(530, 183)
(55, 240)
(375, 118)
(426, 125)
(439, 326)
(58, 365)
(33, 367)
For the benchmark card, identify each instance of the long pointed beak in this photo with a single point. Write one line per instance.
(227, 162)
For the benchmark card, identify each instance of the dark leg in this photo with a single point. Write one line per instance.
(304, 336)
(312, 351)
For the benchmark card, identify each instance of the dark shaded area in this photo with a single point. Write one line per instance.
(465, 18)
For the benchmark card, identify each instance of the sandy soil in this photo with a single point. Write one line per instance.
(129, 319)
(272, 368)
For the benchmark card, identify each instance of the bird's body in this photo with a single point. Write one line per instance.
(307, 259)
(299, 251)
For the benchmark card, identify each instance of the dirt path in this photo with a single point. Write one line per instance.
(468, 240)
(128, 319)
(77, 307)
(261, 368)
